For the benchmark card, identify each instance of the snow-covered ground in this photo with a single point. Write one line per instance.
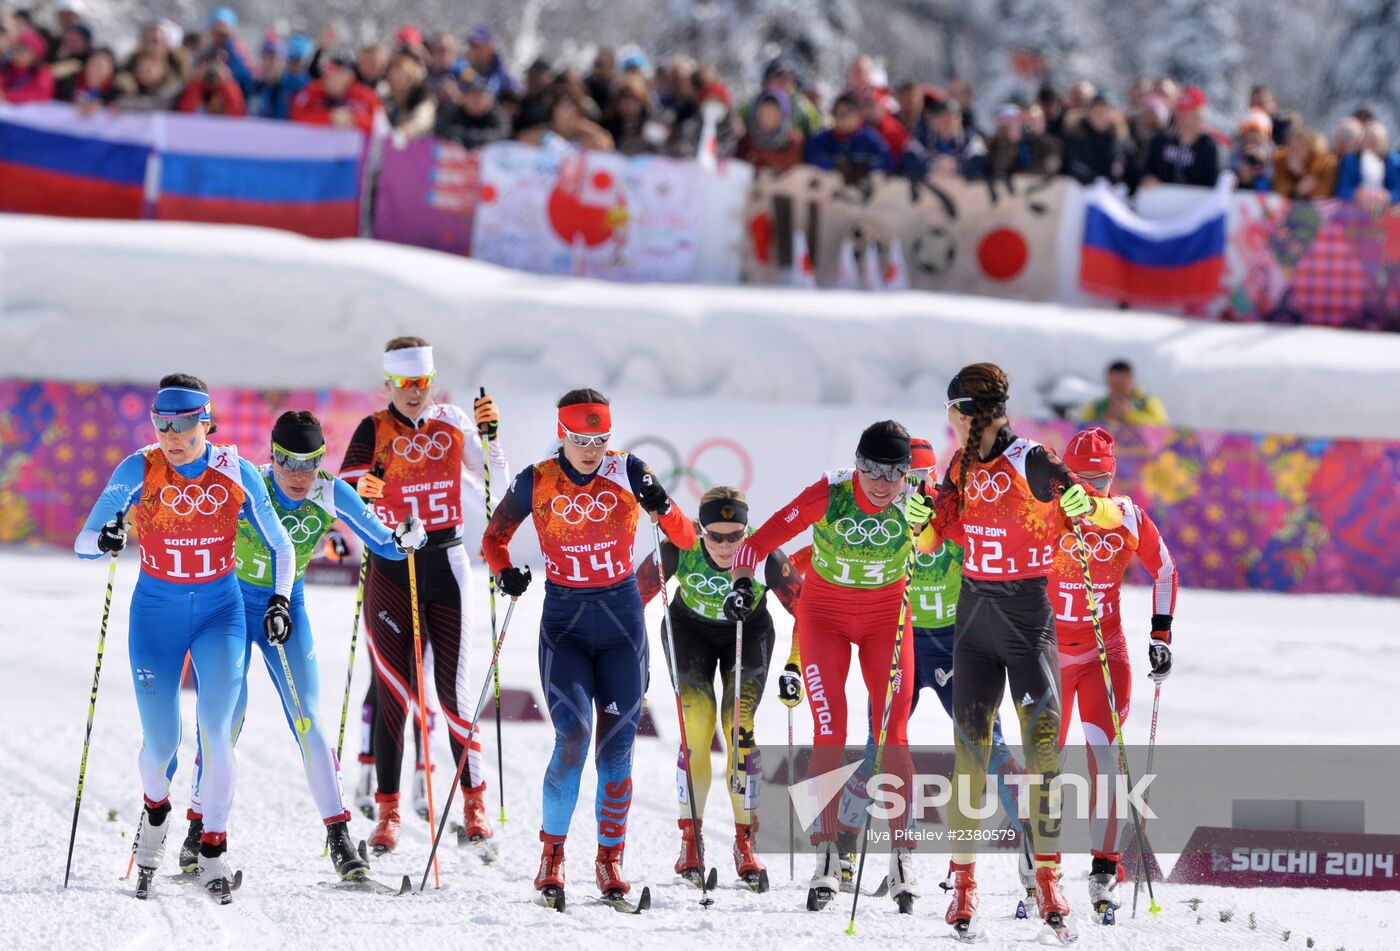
(1251, 668)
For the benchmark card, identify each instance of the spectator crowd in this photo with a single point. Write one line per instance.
(433, 85)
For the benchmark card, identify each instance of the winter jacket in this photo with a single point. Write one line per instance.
(1172, 162)
(864, 148)
(313, 106)
(472, 132)
(1091, 154)
(1349, 175)
(221, 99)
(27, 85)
(1322, 168)
(272, 98)
(779, 157)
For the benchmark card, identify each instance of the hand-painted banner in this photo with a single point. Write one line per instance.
(1238, 511)
(589, 214)
(998, 239)
(427, 193)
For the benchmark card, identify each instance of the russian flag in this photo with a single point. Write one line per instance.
(53, 162)
(257, 172)
(1176, 261)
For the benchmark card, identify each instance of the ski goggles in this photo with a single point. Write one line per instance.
(725, 538)
(297, 461)
(179, 422)
(886, 471)
(585, 440)
(411, 382)
(1101, 483)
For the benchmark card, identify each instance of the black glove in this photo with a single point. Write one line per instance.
(277, 622)
(738, 603)
(790, 685)
(112, 538)
(1159, 655)
(512, 582)
(652, 496)
(336, 548)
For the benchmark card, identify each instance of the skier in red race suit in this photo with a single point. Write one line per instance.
(851, 598)
(1090, 456)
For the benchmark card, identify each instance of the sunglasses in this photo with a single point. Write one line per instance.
(412, 382)
(182, 423)
(949, 404)
(585, 440)
(725, 538)
(887, 471)
(1100, 482)
(297, 461)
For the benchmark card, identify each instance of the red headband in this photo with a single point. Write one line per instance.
(585, 418)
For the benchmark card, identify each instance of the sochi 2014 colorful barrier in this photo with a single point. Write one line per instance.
(1239, 511)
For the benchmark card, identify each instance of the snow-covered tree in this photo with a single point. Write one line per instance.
(1366, 66)
(1197, 43)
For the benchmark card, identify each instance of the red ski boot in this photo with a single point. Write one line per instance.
(750, 869)
(385, 837)
(962, 911)
(549, 880)
(1050, 902)
(608, 869)
(477, 827)
(688, 865)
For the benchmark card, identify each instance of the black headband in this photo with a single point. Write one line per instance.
(300, 438)
(724, 510)
(885, 447)
(970, 405)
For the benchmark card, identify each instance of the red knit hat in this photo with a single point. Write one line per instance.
(1091, 451)
(922, 455)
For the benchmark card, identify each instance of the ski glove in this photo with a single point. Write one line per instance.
(370, 487)
(917, 509)
(336, 548)
(512, 582)
(277, 622)
(738, 603)
(488, 420)
(1159, 655)
(409, 536)
(1076, 502)
(790, 685)
(112, 538)
(652, 496)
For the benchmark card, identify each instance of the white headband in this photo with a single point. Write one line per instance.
(409, 362)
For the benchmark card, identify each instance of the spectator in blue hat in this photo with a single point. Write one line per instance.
(473, 118)
(483, 58)
(780, 76)
(278, 79)
(223, 42)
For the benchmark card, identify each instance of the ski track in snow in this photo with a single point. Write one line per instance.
(1294, 669)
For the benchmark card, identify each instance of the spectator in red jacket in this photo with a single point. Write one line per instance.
(875, 109)
(337, 98)
(27, 78)
(212, 90)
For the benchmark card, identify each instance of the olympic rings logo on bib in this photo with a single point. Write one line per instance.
(1101, 547)
(988, 487)
(879, 531)
(574, 509)
(422, 446)
(301, 528)
(711, 585)
(193, 498)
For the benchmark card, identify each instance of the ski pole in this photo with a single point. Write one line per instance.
(1083, 550)
(1151, 748)
(354, 638)
(423, 707)
(467, 744)
(792, 768)
(491, 591)
(884, 725)
(705, 900)
(736, 784)
(303, 722)
(92, 709)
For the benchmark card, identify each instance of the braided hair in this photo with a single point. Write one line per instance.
(986, 386)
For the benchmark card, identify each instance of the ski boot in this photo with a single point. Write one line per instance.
(607, 867)
(385, 837)
(1050, 902)
(364, 789)
(750, 869)
(1026, 872)
(846, 846)
(189, 849)
(688, 864)
(349, 864)
(904, 883)
(962, 910)
(549, 880)
(420, 793)
(149, 845)
(214, 872)
(475, 826)
(826, 877)
(1103, 887)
